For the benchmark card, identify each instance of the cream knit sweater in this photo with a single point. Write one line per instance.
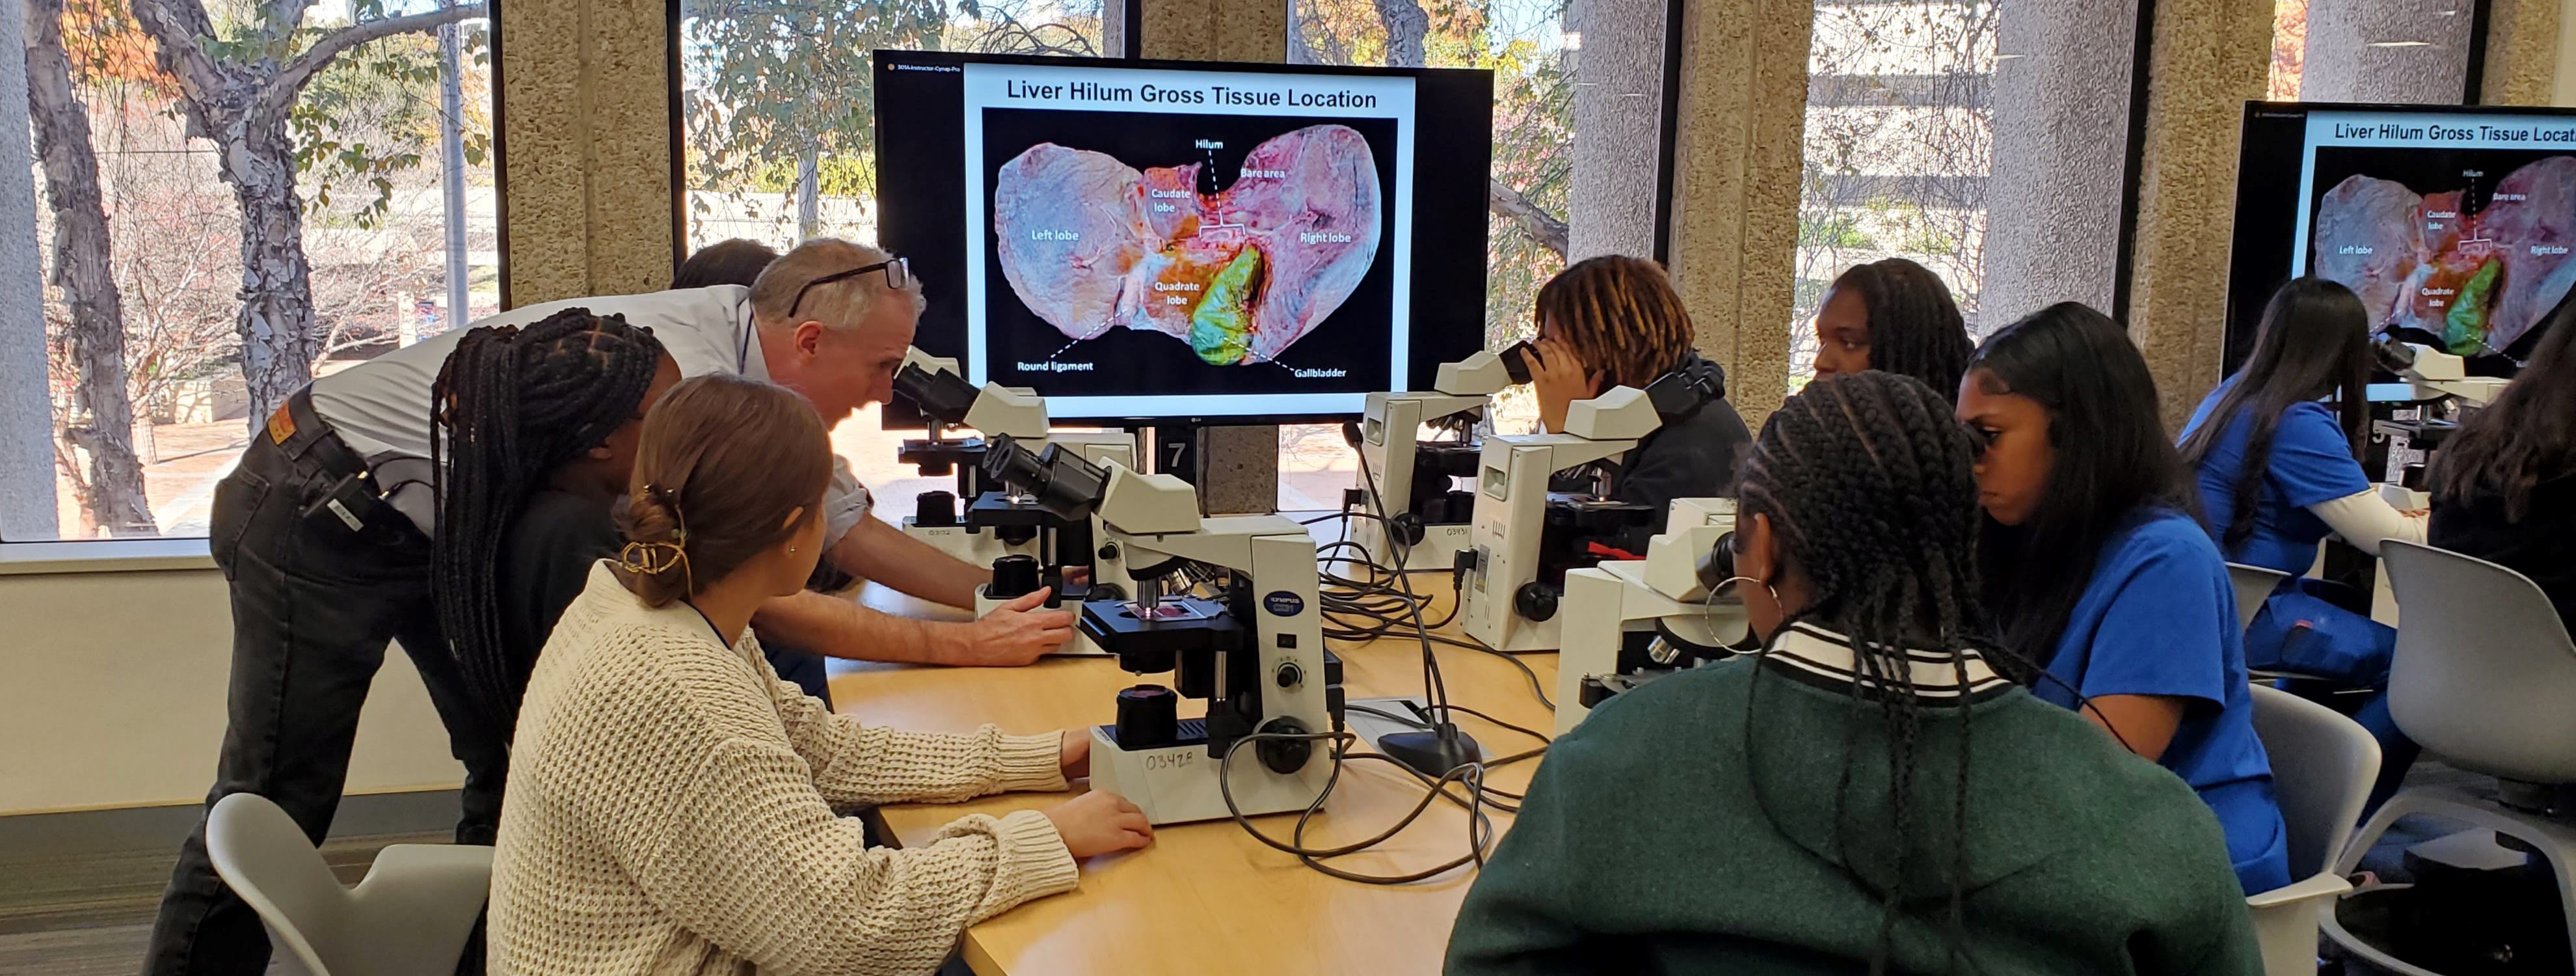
(670, 812)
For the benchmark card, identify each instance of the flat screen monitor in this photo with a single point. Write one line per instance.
(1150, 241)
(2453, 224)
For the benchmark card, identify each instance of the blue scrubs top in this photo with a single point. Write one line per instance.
(2159, 618)
(2311, 462)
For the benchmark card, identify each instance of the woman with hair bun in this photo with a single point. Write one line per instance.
(672, 808)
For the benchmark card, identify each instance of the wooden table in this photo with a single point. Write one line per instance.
(1206, 898)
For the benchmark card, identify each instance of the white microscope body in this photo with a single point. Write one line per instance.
(2435, 374)
(1502, 601)
(995, 410)
(1257, 655)
(1667, 592)
(1394, 468)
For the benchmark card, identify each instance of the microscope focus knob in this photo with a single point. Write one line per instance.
(1284, 756)
(1290, 675)
(1535, 601)
(1406, 528)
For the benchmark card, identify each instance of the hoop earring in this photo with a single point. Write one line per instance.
(1767, 588)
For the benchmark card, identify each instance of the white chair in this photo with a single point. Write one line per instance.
(2483, 676)
(2254, 584)
(2322, 767)
(409, 917)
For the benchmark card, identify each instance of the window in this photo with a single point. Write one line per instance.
(1578, 101)
(1985, 142)
(778, 107)
(2406, 51)
(142, 230)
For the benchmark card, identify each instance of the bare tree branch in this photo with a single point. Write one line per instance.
(284, 16)
(279, 95)
(1509, 204)
(179, 29)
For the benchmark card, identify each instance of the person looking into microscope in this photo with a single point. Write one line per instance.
(1615, 321)
(672, 803)
(1869, 793)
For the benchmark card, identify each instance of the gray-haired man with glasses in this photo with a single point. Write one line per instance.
(329, 564)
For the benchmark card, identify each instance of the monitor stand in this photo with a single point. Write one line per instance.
(1245, 476)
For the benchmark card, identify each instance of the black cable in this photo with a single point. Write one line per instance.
(1480, 829)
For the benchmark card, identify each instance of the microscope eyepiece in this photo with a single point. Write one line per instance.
(1064, 485)
(2391, 355)
(1718, 565)
(941, 395)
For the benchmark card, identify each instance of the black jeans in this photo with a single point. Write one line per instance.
(314, 604)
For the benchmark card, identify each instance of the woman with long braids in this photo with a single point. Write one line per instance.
(1894, 316)
(537, 428)
(1868, 792)
(1616, 321)
(2097, 570)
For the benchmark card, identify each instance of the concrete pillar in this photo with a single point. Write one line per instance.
(2563, 86)
(1215, 30)
(585, 149)
(1618, 123)
(2209, 57)
(1238, 467)
(2061, 119)
(27, 503)
(1742, 121)
(2386, 51)
(2523, 51)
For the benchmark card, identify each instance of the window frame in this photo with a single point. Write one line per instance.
(194, 552)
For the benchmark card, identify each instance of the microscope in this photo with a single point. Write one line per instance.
(1410, 483)
(1627, 623)
(1526, 536)
(1252, 647)
(947, 401)
(1026, 545)
(2437, 383)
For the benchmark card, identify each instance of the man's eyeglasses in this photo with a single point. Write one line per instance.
(898, 273)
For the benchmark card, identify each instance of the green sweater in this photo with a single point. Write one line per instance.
(1643, 848)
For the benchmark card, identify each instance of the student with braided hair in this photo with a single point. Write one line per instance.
(537, 435)
(2098, 571)
(1896, 316)
(1616, 321)
(1867, 793)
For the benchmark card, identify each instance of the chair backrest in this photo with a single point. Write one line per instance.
(2484, 670)
(265, 857)
(2323, 765)
(2254, 584)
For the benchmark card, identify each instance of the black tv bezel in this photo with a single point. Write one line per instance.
(898, 415)
(2265, 271)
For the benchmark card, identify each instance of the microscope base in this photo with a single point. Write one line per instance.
(1178, 784)
(976, 547)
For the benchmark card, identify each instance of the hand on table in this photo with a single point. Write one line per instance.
(1018, 633)
(1075, 754)
(1100, 823)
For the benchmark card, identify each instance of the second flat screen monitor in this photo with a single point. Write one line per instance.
(1147, 241)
